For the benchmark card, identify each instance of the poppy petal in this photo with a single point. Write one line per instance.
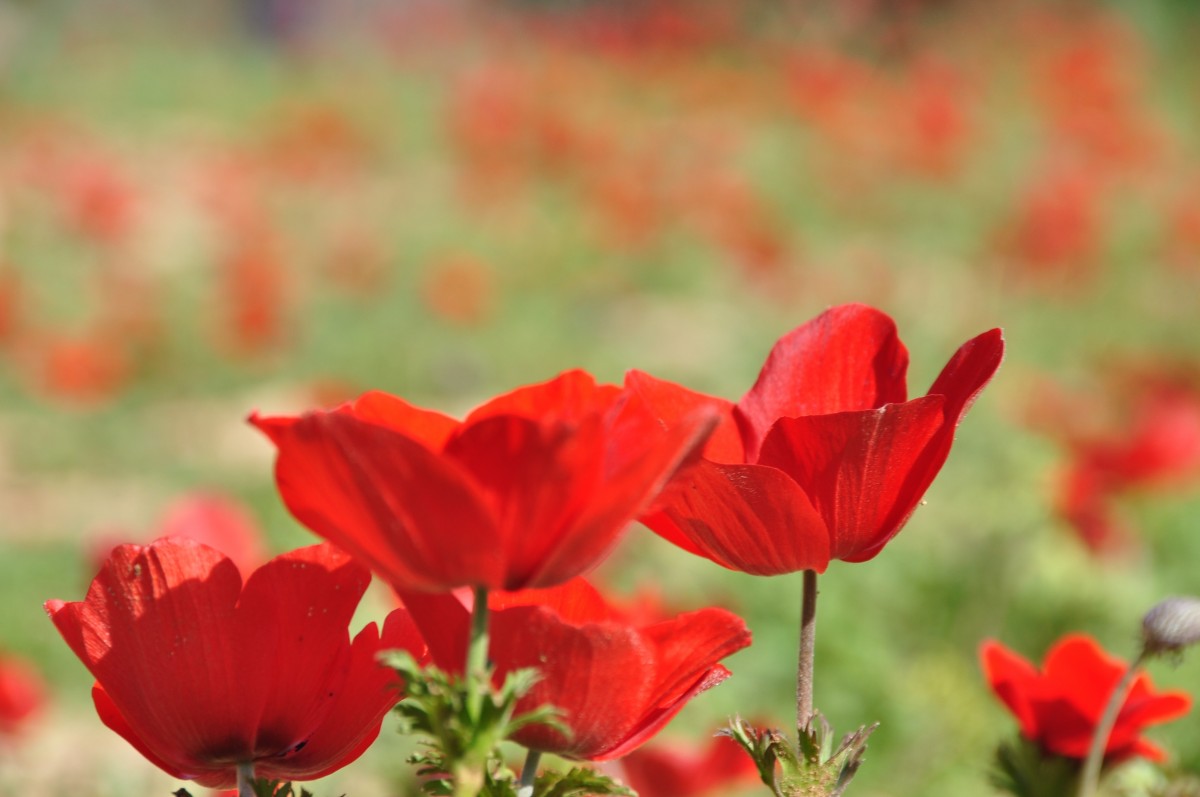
(848, 358)
(671, 403)
(410, 513)
(854, 465)
(750, 518)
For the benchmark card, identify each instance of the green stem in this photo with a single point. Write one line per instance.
(245, 779)
(529, 773)
(476, 669)
(808, 646)
(1089, 781)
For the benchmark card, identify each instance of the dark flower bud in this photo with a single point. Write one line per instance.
(1172, 625)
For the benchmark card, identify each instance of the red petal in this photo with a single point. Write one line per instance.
(671, 403)
(307, 597)
(444, 622)
(856, 468)
(570, 396)
(639, 461)
(216, 777)
(367, 693)
(425, 426)
(848, 358)
(744, 517)
(1012, 678)
(576, 602)
(176, 671)
(537, 480)
(965, 375)
(599, 675)
(410, 513)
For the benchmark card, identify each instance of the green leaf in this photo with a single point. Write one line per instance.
(578, 782)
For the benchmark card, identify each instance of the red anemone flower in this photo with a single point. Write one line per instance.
(1059, 707)
(203, 674)
(617, 684)
(824, 458)
(530, 490)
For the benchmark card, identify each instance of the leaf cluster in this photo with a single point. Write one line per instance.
(814, 768)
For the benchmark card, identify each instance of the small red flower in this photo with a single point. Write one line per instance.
(201, 673)
(617, 684)
(532, 489)
(671, 771)
(824, 458)
(22, 694)
(1060, 706)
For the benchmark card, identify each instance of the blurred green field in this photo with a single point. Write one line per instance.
(475, 286)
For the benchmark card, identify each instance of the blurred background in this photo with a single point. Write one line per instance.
(211, 208)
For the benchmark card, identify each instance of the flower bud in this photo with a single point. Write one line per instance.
(1172, 625)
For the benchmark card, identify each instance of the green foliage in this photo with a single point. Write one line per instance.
(1022, 769)
(814, 768)
(265, 788)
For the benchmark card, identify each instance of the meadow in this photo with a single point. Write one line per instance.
(447, 201)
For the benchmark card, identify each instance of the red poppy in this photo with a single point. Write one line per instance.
(618, 684)
(531, 489)
(670, 771)
(823, 458)
(22, 694)
(202, 674)
(1059, 707)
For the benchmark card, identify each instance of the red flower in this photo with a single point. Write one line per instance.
(617, 684)
(823, 458)
(667, 771)
(21, 694)
(201, 673)
(529, 491)
(1059, 707)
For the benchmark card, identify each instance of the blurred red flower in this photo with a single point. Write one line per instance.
(823, 458)
(531, 489)
(672, 771)
(22, 694)
(201, 673)
(209, 518)
(1058, 707)
(617, 683)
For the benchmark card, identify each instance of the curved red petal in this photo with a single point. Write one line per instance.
(365, 694)
(568, 397)
(576, 602)
(639, 462)
(412, 514)
(1012, 679)
(599, 675)
(671, 404)
(175, 762)
(158, 630)
(965, 375)
(307, 597)
(444, 622)
(855, 468)
(848, 358)
(750, 518)
(428, 427)
(537, 480)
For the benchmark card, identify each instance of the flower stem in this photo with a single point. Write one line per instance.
(1090, 779)
(245, 779)
(475, 670)
(808, 644)
(529, 773)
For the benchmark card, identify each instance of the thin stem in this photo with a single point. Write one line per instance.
(529, 773)
(475, 670)
(808, 646)
(245, 779)
(1089, 781)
